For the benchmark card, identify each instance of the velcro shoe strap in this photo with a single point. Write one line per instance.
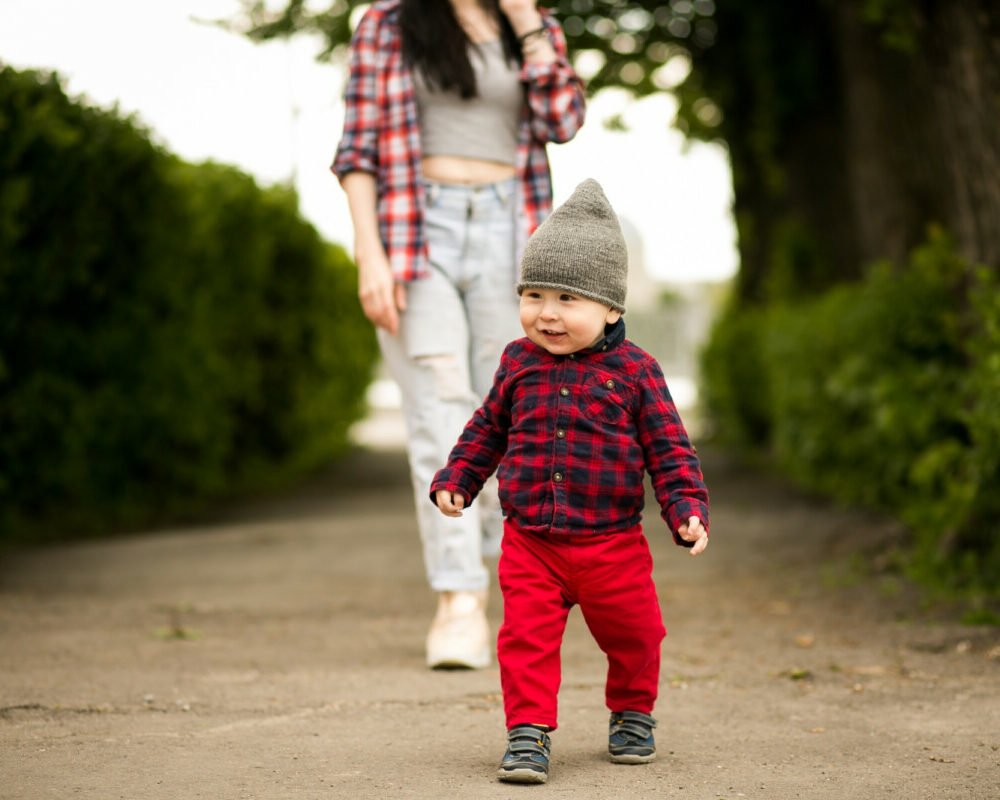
(635, 723)
(528, 739)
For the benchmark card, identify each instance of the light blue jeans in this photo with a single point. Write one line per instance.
(456, 324)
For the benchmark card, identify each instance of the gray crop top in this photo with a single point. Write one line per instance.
(482, 127)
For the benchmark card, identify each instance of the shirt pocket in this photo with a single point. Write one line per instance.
(607, 399)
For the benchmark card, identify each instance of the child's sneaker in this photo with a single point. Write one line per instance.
(527, 756)
(630, 738)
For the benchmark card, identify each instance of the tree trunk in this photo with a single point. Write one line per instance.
(963, 54)
(923, 130)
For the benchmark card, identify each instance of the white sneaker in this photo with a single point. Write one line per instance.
(459, 637)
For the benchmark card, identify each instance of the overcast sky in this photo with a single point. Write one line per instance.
(274, 112)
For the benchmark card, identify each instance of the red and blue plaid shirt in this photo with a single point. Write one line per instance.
(571, 438)
(381, 133)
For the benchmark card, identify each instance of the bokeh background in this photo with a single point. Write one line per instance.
(810, 193)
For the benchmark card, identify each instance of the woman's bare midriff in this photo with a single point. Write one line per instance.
(452, 169)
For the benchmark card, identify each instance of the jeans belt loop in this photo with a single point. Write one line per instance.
(503, 191)
(433, 190)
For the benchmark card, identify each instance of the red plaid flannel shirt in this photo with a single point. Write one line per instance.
(381, 135)
(571, 438)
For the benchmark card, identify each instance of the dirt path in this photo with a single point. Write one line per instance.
(277, 653)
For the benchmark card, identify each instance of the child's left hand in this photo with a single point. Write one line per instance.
(694, 531)
(449, 503)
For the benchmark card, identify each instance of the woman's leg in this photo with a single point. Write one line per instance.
(431, 361)
(436, 405)
(489, 274)
(437, 402)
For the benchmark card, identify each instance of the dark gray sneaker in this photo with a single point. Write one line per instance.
(630, 737)
(527, 756)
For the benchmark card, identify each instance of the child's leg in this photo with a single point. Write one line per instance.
(534, 618)
(617, 596)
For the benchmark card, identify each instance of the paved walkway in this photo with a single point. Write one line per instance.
(276, 652)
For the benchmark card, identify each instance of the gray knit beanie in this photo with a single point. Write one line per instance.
(579, 248)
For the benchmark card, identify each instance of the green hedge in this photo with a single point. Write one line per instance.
(170, 332)
(883, 394)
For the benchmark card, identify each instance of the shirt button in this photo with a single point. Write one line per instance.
(610, 384)
(557, 477)
(564, 392)
(560, 434)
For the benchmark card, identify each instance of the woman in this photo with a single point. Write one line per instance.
(449, 106)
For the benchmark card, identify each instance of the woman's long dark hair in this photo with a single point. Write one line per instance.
(435, 43)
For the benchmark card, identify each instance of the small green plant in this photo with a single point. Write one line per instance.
(981, 616)
(175, 630)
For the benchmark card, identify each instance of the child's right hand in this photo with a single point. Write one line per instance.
(450, 503)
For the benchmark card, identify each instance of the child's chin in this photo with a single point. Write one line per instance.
(556, 348)
(555, 345)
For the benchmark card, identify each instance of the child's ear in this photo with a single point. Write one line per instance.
(613, 316)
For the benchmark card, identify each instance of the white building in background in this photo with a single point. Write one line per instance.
(670, 320)
(643, 290)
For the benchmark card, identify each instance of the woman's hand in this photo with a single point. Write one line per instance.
(523, 15)
(382, 298)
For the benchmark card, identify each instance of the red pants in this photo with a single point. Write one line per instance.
(542, 578)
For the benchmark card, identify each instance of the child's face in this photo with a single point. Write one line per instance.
(561, 322)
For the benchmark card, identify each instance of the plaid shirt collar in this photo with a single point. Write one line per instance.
(614, 335)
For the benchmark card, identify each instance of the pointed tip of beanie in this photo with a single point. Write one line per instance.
(589, 196)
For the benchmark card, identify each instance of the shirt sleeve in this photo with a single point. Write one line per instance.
(482, 444)
(670, 457)
(358, 147)
(555, 91)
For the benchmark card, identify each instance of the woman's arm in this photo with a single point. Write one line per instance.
(555, 91)
(381, 297)
(357, 150)
(529, 28)
(355, 165)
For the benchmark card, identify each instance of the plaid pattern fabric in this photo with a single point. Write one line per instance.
(571, 438)
(381, 133)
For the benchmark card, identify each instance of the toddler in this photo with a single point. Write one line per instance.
(576, 415)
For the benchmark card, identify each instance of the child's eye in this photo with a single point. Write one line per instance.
(565, 298)
(532, 295)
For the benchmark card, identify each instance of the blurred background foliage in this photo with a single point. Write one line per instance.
(884, 394)
(859, 349)
(171, 333)
(849, 125)
(167, 333)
